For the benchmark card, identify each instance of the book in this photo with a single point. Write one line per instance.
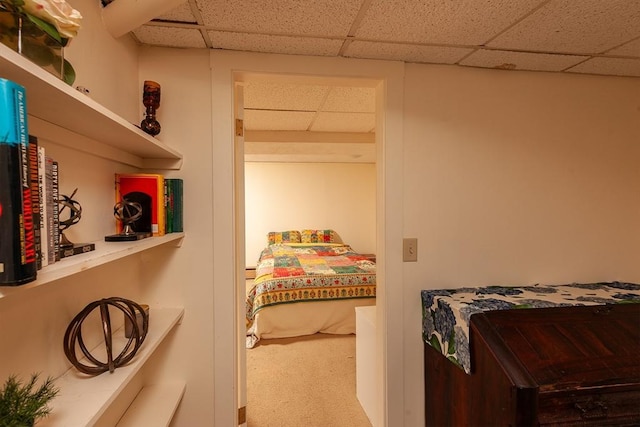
(178, 222)
(168, 206)
(55, 188)
(174, 200)
(17, 240)
(44, 250)
(148, 190)
(50, 205)
(35, 197)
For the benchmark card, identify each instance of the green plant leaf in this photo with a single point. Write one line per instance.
(68, 73)
(46, 27)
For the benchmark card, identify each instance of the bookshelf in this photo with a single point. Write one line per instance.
(66, 115)
(105, 252)
(76, 122)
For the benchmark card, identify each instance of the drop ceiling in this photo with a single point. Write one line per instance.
(568, 36)
(599, 37)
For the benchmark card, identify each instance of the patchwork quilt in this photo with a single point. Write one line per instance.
(290, 273)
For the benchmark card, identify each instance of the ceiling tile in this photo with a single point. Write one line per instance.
(277, 120)
(344, 122)
(628, 49)
(609, 66)
(283, 96)
(181, 13)
(169, 36)
(467, 22)
(585, 26)
(293, 17)
(406, 52)
(351, 99)
(520, 61)
(275, 44)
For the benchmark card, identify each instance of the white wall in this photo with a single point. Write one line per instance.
(185, 79)
(515, 178)
(296, 196)
(105, 65)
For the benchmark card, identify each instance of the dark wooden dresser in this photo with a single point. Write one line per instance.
(561, 366)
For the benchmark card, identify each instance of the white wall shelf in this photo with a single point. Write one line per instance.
(154, 406)
(97, 393)
(105, 252)
(55, 107)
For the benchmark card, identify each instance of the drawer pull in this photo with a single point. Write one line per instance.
(592, 410)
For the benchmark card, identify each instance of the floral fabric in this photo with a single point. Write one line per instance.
(446, 313)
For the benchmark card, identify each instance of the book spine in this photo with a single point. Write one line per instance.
(56, 210)
(178, 225)
(49, 202)
(35, 197)
(30, 257)
(162, 218)
(174, 205)
(168, 205)
(17, 246)
(43, 207)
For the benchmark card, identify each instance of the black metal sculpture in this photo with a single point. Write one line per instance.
(73, 335)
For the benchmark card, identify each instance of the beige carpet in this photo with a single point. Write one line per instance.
(306, 381)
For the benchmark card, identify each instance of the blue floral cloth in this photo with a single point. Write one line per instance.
(446, 313)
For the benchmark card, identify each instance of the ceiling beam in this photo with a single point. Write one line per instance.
(260, 136)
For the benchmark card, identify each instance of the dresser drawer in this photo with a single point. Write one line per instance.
(587, 408)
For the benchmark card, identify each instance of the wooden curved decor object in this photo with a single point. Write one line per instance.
(73, 335)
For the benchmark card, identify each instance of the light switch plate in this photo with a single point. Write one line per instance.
(410, 249)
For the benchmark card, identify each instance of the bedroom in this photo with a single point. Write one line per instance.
(325, 179)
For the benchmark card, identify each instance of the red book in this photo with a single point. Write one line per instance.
(148, 190)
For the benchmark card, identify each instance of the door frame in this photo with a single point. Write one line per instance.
(227, 69)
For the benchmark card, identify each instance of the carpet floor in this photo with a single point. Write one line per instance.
(305, 381)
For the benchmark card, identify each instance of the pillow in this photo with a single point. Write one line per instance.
(291, 236)
(320, 236)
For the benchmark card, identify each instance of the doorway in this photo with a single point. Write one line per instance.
(228, 68)
(310, 162)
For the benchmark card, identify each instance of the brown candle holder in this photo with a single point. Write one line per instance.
(151, 100)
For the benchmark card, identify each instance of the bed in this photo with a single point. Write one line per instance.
(306, 283)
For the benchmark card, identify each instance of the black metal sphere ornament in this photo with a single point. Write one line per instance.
(73, 335)
(74, 216)
(127, 212)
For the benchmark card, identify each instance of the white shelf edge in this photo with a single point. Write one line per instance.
(83, 399)
(56, 102)
(155, 406)
(104, 253)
